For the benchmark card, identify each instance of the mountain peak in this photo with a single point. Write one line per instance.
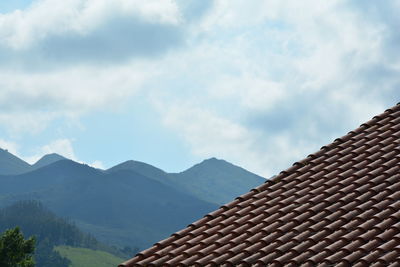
(132, 164)
(211, 159)
(141, 168)
(217, 180)
(48, 159)
(11, 165)
(214, 160)
(212, 163)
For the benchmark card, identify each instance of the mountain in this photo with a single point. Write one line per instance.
(122, 207)
(216, 180)
(133, 203)
(143, 169)
(213, 180)
(47, 159)
(11, 165)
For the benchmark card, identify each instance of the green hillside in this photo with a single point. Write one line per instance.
(84, 257)
(139, 209)
(50, 231)
(130, 205)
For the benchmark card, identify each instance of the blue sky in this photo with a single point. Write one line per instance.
(258, 83)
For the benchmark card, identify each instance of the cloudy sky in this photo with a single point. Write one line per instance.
(260, 83)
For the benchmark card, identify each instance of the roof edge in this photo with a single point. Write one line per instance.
(299, 164)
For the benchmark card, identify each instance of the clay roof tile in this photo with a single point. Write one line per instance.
(339, 206)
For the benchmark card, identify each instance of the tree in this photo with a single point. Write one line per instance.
(46, 256)
(15, 251)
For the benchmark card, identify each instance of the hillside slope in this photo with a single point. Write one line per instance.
(213, 180)
(216, 180)
(47, 160)
(133, 203)
(49, 231)
(123, 207)
(143, 169)
(84, 257)
(11, 165)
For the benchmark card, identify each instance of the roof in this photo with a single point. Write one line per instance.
(340, 205)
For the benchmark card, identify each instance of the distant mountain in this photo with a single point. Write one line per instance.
(216, 180)
(47, 159)
(133, 203)
(11, 165)
(143, 169)
(213, 180)
(122, 207)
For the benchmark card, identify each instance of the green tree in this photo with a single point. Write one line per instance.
(15, 251)
(46, 256)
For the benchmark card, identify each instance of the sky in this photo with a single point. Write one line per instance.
(260, 83)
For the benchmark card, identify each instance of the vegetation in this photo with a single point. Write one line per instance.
(36, 220)
(46, 256)
(15, 251)
(139, 209)
(88, 257)
(50, 231)
(132, 204)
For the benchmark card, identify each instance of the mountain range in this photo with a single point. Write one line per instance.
(133, 203)
(12, 165)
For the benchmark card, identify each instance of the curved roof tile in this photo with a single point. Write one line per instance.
(340, 206)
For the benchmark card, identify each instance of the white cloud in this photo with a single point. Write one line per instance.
(97, 164)
(63, 147)
(261, 84)
(211, 135)
(265, 85)
(248, 91)
(21, 29)
(28, 102)
(38, 88)
(18, 122)
(208, 134)
(12, 147)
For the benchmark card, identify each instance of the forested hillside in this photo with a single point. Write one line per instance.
(122, 208)
(131, 205)
(50, 231)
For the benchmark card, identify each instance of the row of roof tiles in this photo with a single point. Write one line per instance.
(340, 205)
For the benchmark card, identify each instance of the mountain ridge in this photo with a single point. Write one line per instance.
(47, 159)
(213, 180)
(132, 203)
(11, 164)
(126, 207)
(231, 181)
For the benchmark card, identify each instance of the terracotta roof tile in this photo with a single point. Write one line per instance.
(339, 206)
